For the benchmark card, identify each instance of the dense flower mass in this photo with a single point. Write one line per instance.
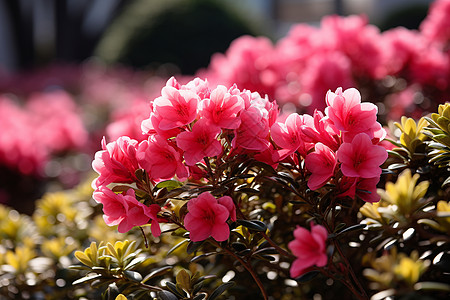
(343, 52)
(194, 125)
(52, 124)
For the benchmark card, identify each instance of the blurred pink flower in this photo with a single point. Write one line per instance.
(248, 63)
(354, 37)
(361, 158)
(207, 217)
(116, 163)
(323, 71)
(200, 142)
(124, 210)
(128, 121)
(309, 248)
(222, 108)
(436, 26)
(160, 160)
(321, 163)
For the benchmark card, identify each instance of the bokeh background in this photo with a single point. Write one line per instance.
(147, 33)
(73, 71)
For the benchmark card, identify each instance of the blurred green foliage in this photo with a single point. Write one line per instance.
(184, 33)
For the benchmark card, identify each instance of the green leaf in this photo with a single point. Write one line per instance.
(173, 288)
(436, 286)
(134, 262)
(268, 250)
(166, 295)
(177, 246)
(193, 246)
(201, 256)
(253, 225)
(86, 279)
(447, 181)
(307, 276)
(220, 289)
(197, 287)
(169, 185)
(397, 166)
(199, 296)
(352, 228)
(121, 188)
(183, 279)
(132, 275)
(78, 267)
(156, 273)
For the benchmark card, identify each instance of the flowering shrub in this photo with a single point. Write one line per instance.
(234, 180)
(210, 190)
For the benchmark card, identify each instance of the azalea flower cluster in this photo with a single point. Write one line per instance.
(399, 65)
(193, 125)
(48, 133)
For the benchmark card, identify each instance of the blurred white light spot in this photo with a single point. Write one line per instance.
(230, 275)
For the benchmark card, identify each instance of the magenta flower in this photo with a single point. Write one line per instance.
(200, 142)
(124, 210)
(222, 108)
(366, 189)
(117, 162)
(348, 114)
(361, 158)
(253, 132)
(208, 216)
(321, 131)
(160, 160)
(309, 248)
(321, 163)
(150, 126)
(288, 135)
(176, 108)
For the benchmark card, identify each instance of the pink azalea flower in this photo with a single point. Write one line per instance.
(322, 131)
(222, 108)
(361, 158)
(198, 86)
(253, 132)
(160, 160)
(348, 114)
(207, 217)
(436, 26)
(269, 156)
(124, 210)
(288, 135)
(200, 142)
(309, 248)
(150, 126)
(229, 204)
(321, 163)
(127, 122)
(117, 162)
(176, 108)
(366, 189)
